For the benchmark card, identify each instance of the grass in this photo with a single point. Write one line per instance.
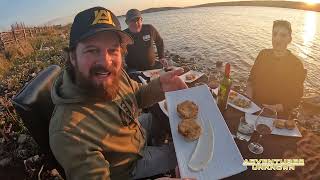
(21, 62)
(4, 65)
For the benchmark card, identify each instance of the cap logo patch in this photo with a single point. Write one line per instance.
(102, 17)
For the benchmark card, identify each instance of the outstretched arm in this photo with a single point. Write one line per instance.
(154, 91)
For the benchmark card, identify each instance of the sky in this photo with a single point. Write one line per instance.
(38, 12)
(34, 12)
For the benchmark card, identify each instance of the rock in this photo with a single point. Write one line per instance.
(176, 58)
(33, 75)
(167, 53)
(236, 88)
(33, 159)
(22, 138)
(219, 64)
(4, 162)
(22, 153)
(200, 69)
(63, 36)
(172, 54)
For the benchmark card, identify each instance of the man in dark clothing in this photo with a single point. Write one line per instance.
(277, 76)
(141, 55)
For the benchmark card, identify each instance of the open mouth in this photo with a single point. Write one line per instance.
(102, 74)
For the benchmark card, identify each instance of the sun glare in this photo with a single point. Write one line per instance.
(310, 29)
(311, 2)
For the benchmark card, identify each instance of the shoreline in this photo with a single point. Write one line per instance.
(276, 4)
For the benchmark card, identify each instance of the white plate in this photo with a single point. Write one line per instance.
(161, 104)
(153, 73)
(276, 131)
(197, 74)
(226, 160)
(252, 109)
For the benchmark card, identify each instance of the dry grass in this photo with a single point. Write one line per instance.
(18, 50)
(4, 65)
(20, 63)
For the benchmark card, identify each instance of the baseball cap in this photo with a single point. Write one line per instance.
(94, 20)
(132, 14)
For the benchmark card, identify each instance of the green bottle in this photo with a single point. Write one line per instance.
(224, 89)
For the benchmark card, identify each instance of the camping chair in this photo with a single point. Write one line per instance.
(34, 105)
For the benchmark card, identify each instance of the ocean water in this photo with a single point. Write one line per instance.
(236, 35)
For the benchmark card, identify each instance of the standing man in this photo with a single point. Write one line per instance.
(141, 55)
(97, 130)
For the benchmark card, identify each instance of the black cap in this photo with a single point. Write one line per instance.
(94, 20)
(132, 14)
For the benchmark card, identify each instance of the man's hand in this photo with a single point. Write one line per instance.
(164, 62)
(276, 107)
(171, 82)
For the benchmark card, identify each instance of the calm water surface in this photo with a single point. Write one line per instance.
(237, 34)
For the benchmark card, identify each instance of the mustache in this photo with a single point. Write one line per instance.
(101, 69)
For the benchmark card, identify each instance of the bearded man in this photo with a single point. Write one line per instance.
(96, 131)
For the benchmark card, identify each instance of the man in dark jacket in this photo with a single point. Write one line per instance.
(141, 55)
(277, 76)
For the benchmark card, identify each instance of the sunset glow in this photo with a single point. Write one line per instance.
(311, 2)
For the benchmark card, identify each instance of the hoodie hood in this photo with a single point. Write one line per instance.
(64, 91)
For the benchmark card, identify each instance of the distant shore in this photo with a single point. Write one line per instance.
(278, 4)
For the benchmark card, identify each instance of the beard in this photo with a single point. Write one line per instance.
(107, 89)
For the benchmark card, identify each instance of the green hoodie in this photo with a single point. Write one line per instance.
(97, 139)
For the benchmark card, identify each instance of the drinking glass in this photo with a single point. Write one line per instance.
(264, 126)
(245, 129)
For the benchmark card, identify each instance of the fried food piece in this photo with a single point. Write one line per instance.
(187, 110)
(290, 124)
(242, 103)
(279, 123)
(190, 129)
(232, 95)
(190, 77)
